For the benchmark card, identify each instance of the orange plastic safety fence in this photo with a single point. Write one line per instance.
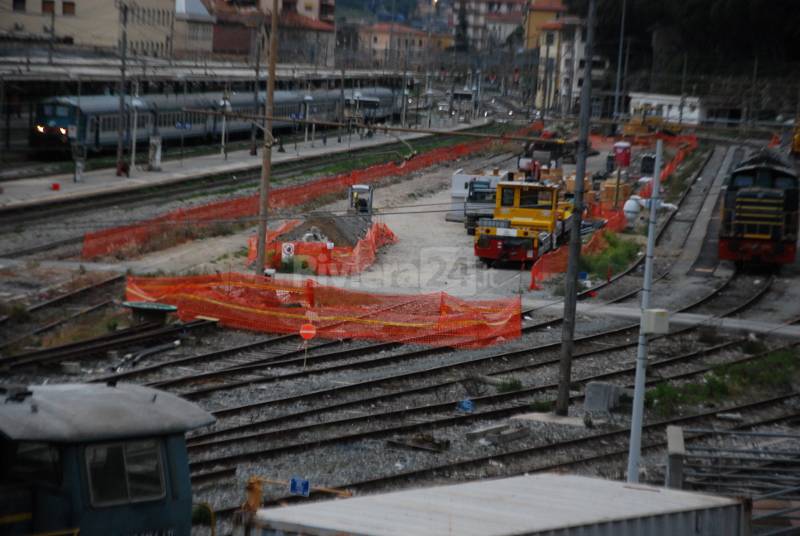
(687, 145)
(109, 241)
(555, 262)
(276, 306)
(317, 258)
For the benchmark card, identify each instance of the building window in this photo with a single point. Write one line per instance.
(48, 6)
(19, 5)
(550, 38)
(125, 472)
(67, 8)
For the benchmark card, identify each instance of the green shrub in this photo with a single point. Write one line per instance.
(507, 386)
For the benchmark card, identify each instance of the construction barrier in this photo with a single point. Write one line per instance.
(185, 224)
(555, 262)
(317, 258)
(276, 306)
(686, 144)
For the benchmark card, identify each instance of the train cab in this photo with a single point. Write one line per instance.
(759, 212)
(95, 459)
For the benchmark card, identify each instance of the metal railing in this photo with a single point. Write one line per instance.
(761, 466)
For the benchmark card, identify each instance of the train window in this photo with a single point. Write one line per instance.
(507, 197)
(785, 183)
(47, 109)
(528, 198)
(764, 178)
(125, 472)
(742, 181)
(30, 462)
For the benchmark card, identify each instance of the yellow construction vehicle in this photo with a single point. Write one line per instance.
(528, 221)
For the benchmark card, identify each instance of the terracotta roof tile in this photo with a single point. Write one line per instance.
(548, 5)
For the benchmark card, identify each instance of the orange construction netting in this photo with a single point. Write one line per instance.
(318, 258)
(686, 144)
(277, 306)
(110, 241)
(555, 262)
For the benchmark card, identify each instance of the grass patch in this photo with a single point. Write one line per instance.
(89, 328)
(618, 255)
(542, 406)
(773, 372)
(681, 179)
(16, 312)
(507, 386)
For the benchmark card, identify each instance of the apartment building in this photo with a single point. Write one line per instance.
(92, 23)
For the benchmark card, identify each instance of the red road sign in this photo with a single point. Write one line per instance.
(308, 331)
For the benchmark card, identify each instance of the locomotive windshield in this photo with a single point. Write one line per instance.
(763, 178)
(27, 462)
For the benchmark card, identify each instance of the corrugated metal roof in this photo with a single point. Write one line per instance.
(510, 506)
(78, 412)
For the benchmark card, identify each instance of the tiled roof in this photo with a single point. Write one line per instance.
(385, 27)
(552, 25)
(296, 20)
(547, 5)
(510, 18)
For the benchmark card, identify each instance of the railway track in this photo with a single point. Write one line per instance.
(136, 335)
(444, 409)
(591, 448)
(60, 310)
(226, 435)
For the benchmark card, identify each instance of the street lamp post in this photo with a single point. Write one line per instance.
(225, 104)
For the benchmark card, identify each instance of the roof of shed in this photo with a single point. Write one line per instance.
(80, 412)
(510, 506)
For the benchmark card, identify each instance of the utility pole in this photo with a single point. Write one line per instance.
(52, 31)
(619, 65)
(121, 120)
(571, 281)
(256, 82)
(266, 166)
(405, 88)
(635, 445)
(753, 92)
(625, 72)
(683, 89)
(391, 34)
(5, 111)
(341, 107)
(134, 124)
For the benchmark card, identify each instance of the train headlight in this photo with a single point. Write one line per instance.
(40, 129)
(63, 131)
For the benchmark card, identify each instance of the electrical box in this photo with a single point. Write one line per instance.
(655, 321)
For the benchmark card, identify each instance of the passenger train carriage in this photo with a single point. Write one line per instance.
(759, 212)
(92, 121)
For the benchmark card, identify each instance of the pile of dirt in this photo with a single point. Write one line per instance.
(344, 230)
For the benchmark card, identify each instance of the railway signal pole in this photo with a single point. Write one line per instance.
(121, 120)
(266, 166)
(635, 445)
(571, 281)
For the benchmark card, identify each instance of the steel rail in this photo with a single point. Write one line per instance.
(91, 347)
(539, 450)
(206, 437)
